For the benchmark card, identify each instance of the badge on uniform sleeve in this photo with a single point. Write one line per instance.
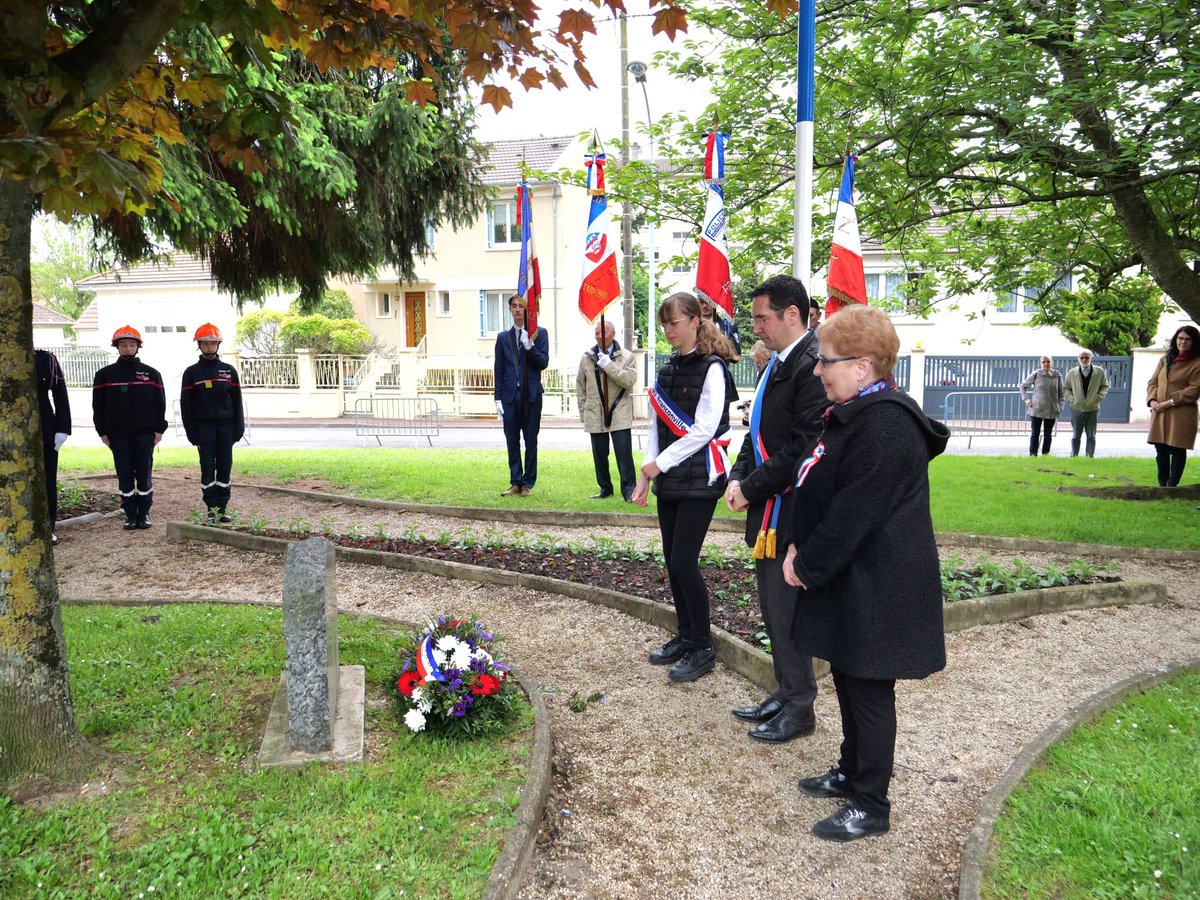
(208, 384)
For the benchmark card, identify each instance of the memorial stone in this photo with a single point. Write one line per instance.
(310, 632)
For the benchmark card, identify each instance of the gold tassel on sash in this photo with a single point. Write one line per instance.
(770, 551)
(760, 546)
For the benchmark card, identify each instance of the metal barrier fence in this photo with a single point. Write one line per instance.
(971, 413)
(381, 417)
(745, 374)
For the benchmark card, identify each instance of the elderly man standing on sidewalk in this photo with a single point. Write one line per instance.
(604, 391)
(785, 420)
(1085, 389)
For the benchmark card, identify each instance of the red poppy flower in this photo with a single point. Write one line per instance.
(407, 682)
(486, 684)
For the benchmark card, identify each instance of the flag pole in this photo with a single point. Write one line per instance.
(806, 57)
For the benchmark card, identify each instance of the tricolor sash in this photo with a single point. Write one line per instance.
(764, 544)
(427, 666)
(680, 423)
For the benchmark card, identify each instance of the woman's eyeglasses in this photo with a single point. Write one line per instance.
(825, 361)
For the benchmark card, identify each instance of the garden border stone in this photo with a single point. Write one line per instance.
(508, 872)
(751, 663)
(979, 843)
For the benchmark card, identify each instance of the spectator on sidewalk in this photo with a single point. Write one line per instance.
(1085, 388)
(1172, 394)
(1042, 392)
(604, 391)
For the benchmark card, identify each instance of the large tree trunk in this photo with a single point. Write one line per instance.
(37, 721)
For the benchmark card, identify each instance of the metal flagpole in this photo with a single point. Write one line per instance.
(806, 58)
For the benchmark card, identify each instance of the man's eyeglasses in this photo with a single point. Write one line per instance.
(825, 361)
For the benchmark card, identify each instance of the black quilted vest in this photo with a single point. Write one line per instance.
(682, 379)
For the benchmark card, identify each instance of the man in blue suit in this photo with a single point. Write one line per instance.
(520, 359)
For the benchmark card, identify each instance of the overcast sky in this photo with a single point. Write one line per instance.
(549, 112)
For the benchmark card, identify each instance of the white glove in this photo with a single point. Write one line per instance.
(499, 410)
(60, 438)
(525, 341)
(604, 361)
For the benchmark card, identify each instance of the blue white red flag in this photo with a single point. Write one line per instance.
(846, 283)
(714, 155)
(529, 279)
(713, 278)
(600, 285)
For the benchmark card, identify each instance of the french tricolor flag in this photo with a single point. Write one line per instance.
(846, 283)
(713, 276)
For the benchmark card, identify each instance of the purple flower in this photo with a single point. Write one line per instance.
(460, 709)
(483, 636)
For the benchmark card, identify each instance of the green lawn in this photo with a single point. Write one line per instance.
(1008, 495)
(1115, 809)
(177, 697)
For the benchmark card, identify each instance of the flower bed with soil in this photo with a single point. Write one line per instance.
(76, 500)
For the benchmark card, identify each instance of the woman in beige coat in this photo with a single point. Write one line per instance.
(604, 391)
(1171, 395)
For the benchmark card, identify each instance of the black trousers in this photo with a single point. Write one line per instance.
(868, 707)
(1046, 427)
(622, 444)
(215, 443)
(522, 423)
(50, 458)
(1171, 461)
(683, 525)
(133, 458)
(796, 684)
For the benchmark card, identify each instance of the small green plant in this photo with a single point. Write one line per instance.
(578, 703)
(327, 526)
(412, 533)
(381, 531)
(299, 525)
(354, 532)
(256, 524)
(196, 517)
(712, 555)
(71, 493)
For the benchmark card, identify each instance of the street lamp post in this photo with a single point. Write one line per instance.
(638, 71)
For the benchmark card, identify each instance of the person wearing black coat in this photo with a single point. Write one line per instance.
(129, 410)
(210, 405)
(54, 407)
(863, 555)
(785, 418)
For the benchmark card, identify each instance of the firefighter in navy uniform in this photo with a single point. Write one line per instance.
(210, 405)
(129, 409)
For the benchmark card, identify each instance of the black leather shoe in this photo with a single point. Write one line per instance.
(696, 662)
(783, 728)
(832, 784)
(670, 652)
(759, 712)
(850, 823)
(223, 517)
(130, 521)
(602, 495)
(143, 521)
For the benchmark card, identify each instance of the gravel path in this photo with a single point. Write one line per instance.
(660, 792)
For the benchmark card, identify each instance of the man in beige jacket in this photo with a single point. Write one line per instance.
(1085, 388)
(604, 390)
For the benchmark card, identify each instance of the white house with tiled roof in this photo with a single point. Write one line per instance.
(48, 326)
(458, 300)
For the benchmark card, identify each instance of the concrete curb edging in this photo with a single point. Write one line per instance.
(510, 867)
(963, 614)
(85, 518)
(979, 843)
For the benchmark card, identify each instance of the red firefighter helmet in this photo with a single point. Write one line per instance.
(208, 332)
(127, 331)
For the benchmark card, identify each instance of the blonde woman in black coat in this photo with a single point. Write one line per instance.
(864, 558)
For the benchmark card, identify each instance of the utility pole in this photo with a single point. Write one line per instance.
(626, 209)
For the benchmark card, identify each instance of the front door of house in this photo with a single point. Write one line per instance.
(414, 317)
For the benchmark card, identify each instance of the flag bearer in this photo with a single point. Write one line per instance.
(210, 404)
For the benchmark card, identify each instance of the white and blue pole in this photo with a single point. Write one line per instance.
(806, 59)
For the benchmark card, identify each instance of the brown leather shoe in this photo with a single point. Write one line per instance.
(511, 492)
(525, 492)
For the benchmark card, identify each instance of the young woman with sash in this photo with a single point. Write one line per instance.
(685, 457)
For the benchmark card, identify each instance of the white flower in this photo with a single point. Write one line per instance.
(1158, 873)
(448, 647)
(461, 657)
(421, 700)
(415, 720)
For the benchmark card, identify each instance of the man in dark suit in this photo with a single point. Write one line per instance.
(55, 409)
(520, 359)
(785, 420)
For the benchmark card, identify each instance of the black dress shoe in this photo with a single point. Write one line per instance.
(223, 517)
(832, 784)
(143, 521)
(670, 652)
(602, 495)
(850, 823)
(130, 521)
(696, 662)
(783, 728)
(759, 712)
